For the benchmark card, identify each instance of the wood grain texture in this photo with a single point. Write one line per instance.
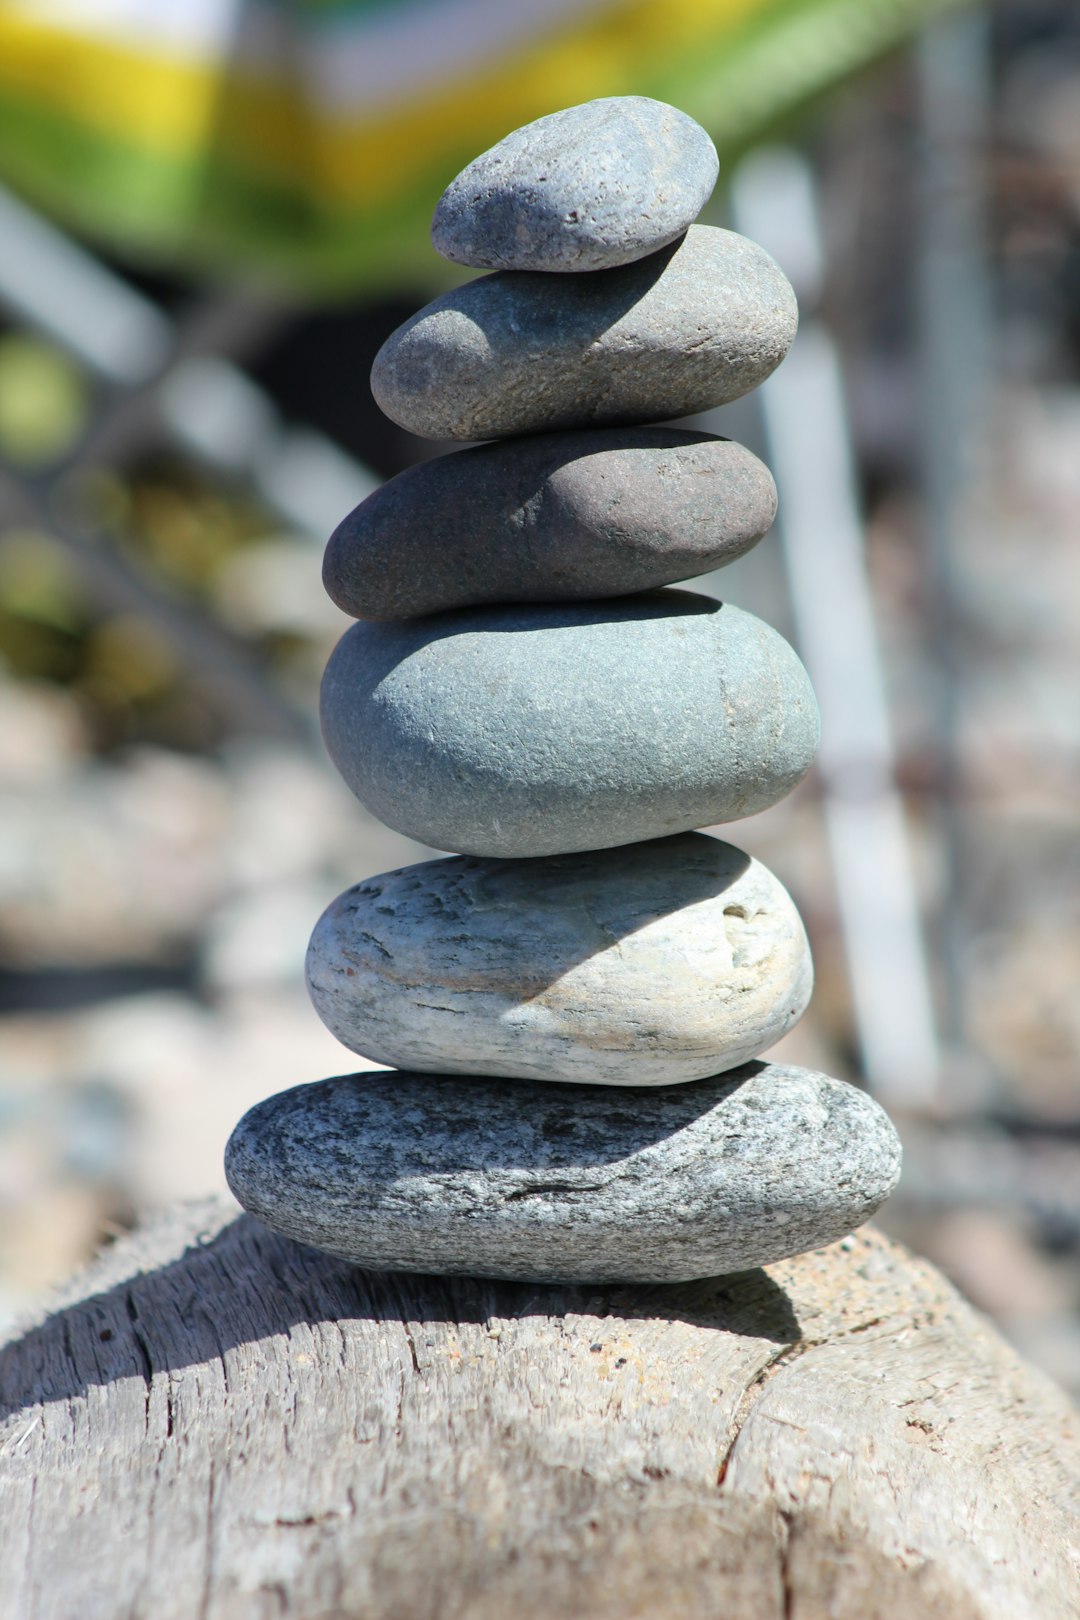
(215, 1422)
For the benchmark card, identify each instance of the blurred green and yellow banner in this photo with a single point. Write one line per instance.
(310, 139)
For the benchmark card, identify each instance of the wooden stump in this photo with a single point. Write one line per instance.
(217, 1423)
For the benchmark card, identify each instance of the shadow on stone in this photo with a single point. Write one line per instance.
(386, 643)
(547, 914)
(383, 1122)
(519, 306)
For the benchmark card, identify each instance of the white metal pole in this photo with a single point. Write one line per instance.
(821, 533)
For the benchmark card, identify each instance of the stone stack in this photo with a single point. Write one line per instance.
(571, 1005)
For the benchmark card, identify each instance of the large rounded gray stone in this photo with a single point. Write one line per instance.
(539, 731)
(550, 517)
(565, 1183)
(690, 327)
(583, 189)
(662, 962)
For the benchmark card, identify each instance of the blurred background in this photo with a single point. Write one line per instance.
(211, 215)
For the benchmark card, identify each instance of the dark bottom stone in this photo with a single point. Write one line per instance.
(508, 1178)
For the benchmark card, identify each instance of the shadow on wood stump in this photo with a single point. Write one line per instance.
(215, 1421)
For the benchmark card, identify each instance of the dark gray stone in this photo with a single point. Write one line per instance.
(548, 518)
(587, 188)
(539, 731)
(643, 966)
(690, 327)
(554, 1183)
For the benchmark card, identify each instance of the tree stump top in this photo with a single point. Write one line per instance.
(214, 1421)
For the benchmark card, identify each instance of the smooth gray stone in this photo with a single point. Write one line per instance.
(539, 731)
(490, 1178)
(551, 517)
(587, 188)
(645, 966)
(688, 328)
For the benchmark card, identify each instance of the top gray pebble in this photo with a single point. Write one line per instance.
(588, 188)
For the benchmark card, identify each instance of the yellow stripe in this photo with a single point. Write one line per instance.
(611, 55)
(169, 105)
(189, 110)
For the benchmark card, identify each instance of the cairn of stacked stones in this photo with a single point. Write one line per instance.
(570, 1006)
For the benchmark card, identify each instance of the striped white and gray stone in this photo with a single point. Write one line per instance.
(661, 962)
(409, 1172)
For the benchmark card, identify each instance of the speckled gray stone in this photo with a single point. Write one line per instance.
(690, 327)
(662, 962)
(565, 1183)
(539, 731)
(549, 517)
(587, 188)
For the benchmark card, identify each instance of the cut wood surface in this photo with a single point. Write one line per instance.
(216, 1422)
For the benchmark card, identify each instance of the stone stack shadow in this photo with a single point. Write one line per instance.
(570, 1005)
